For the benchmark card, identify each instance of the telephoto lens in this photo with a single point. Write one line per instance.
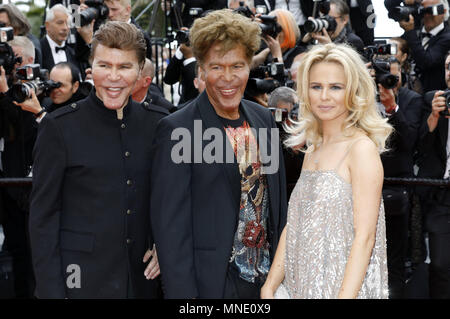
(316, 25)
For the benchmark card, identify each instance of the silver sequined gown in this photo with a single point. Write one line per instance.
(320, 236)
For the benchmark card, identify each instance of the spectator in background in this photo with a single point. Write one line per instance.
(284, 48)
(362, 19)
(199, 84)
(429, 46)
(67, 93)
(120, 10)
(340, 11)
(18, 137)
(403, 107)
(11, 16)
(286, 99)
(181, 69)
(141, 92)
(53, 44)
(407, 64)
(434, 149)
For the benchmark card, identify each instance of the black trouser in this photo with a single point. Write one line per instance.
(438, 226)
(15, 228)
(397, 245)
(238, 288)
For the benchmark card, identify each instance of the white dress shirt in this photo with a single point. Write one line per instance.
(61, 55)
(294, 8)
(434, 32)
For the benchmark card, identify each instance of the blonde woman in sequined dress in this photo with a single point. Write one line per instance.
(334, 243)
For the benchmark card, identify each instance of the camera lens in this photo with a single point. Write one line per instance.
(20, 92)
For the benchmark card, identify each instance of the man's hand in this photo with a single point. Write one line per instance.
(3, 81)
(186, 50)
(323, 37)
(87, 32)
(88, 73)
(387, 98)
(407, 25)
(152, 271)
(274, 47)
(30, 105)
(437, 105)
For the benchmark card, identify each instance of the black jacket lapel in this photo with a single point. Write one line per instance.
(231, 170)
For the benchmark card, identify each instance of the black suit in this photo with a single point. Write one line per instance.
(18, 128)
(361, 19)
(90, 200)
(436, 205)
(47, 57)
(185, 74)
(398, 162)
(195, 206)
(431, 60)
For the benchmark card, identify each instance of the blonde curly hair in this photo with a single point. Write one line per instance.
(359, 99)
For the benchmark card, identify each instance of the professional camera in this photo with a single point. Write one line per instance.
(428, 97)
(382, 66)
(266, 78)
(380, 49)
(273, 70)
(7, 57)
(36, 78)
(402, 12)
(97, 10)
(244, 10)
(270, 26)
(281, 114)
(383, 74)
(316, 25)
(182, 36)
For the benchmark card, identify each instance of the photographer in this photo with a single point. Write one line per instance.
(282, 43)
(19, 134)
(434, 149)
(338, 30)
(284, 101)
(181, 69)
(10, 15)
(68, 92)
(430, 44)
(404, 109)
(398, 12)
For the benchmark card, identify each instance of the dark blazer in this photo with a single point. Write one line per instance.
(398, 162)
(360, 18)
(432, 164)
(89, 206)
(195, 206)
(47, 57)
(430, 61)
(185, 74)
(432, 150)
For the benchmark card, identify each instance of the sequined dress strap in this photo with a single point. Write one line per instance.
(347, 152)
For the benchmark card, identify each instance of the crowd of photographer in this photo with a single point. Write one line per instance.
(411, 73)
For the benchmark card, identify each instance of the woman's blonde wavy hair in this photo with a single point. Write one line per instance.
(359, 99)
